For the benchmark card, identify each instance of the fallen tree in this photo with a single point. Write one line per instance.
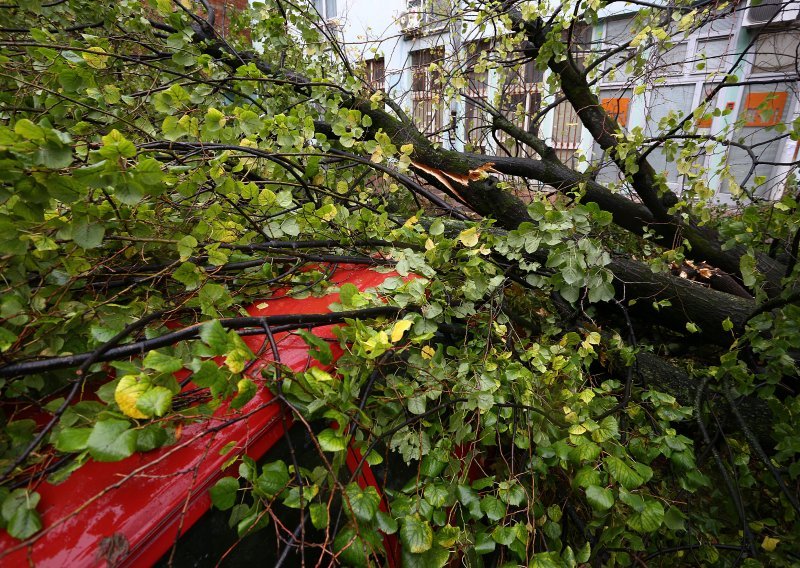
(157, 172)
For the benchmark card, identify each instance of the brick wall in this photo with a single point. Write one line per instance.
(223, 10)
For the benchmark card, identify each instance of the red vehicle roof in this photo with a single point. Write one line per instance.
(130, 512)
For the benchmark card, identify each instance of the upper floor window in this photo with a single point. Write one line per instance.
(712, 56)
(777, 53)
(326, 8)
(376, 74)
(618, 33)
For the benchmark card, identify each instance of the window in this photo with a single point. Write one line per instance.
(670, 62)
(777, 53)
(617, 107)
(566, 132)
(618, 32)
(619, 66)
(764, 109)
(763, 106)
(617, 103)
(434, 13)
(376, 74)
(668, 100)
(326, 8)
(708, 117)
(477, 122)
(425, 97)
(711, 56)
(521, 100)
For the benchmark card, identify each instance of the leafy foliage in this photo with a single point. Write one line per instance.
(153, 180)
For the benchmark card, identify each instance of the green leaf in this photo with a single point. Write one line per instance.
(357, 547)
(622, 473)
(674, 519)
(116, 146)
(484, 543)
(504, 535)
(54, 155)
(331, 441)
(212, 298)
(436, 557)
(214, 335)
(546, 560)
(386, 522)
(111, 440)
(223, 493)
(599, 498)
(494, 508)
(727, 324)
(189, 275)
(347, 294)
(186, 246)
(649, 519)
(274, 478)
(24, 523)
(87, 234)
(436, 494)
(246, 390)
(747, 266)
(72, 439)
(416, 535)
(318, 347)
(319, 515)
(29, 130)
(155, 401)
(16, 500)
(293, 497)
(162, 362)
(151, 437)
(208, 374)
(362, 503)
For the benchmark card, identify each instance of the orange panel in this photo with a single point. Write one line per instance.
(705, 122)
(618, 108)
(764, 109)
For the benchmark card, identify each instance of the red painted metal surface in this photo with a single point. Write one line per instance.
(133, 510)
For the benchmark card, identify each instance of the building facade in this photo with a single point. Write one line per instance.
(408, 46)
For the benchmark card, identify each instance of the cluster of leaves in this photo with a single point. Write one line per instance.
(532, 414)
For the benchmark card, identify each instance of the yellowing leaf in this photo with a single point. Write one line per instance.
(407, 148)
(129, 390)
(769, 543)
(400, 327)
(411, 221)
(469, 237)
(328, 212)
(320, 375)
(95, 57)
(428, 352)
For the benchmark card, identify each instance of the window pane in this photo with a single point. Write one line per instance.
(711, 56)
(330, 9)
(618, 31)
(764, 142)
(424, 95)
(776, 53)
(719, 25)
(707, 118)
(666, 101)
(608, 170)
(671, 62)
